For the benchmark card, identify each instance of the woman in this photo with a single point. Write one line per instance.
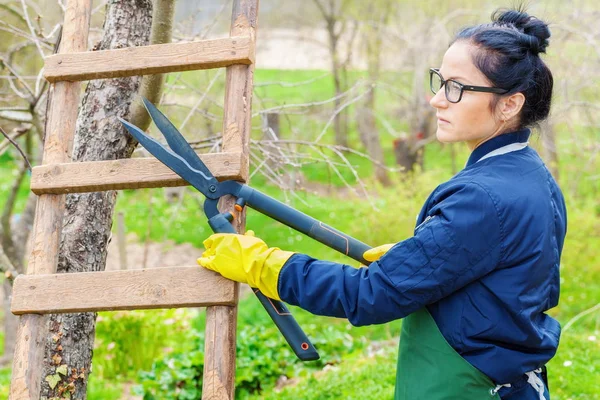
(474, 282)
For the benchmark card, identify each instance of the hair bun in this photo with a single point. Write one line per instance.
(535, 32)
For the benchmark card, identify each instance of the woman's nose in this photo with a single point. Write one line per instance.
(439, 100)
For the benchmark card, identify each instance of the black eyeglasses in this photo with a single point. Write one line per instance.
(454, 90)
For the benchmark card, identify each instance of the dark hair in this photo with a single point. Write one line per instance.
(508, 55)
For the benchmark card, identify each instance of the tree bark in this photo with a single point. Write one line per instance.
(88, 217)
(550, 151)
(332, 13)
(372, 35)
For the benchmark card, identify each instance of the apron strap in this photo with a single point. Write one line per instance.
(536, 382)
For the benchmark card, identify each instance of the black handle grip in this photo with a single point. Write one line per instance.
(306, 224)
(279, 313)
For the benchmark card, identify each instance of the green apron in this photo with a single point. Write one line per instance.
(430, 369)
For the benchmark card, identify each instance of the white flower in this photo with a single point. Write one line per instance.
(568, 363)
(592, 338)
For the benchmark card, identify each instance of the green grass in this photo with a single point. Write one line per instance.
(4, 382)
(356, 378)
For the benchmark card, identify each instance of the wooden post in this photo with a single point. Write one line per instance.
(122, 241)
(221, 322)
(29, 348)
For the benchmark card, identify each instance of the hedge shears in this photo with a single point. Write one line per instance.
(183, 160)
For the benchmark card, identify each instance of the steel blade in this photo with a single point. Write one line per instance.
(175, 139)
(207, 185)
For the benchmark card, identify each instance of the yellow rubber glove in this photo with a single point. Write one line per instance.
(376, 253)
(246, 259)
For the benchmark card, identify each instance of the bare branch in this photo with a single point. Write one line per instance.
(582, 314)
(28, 97)
(312, 104)
(292, 84)
(6, 266)
(99, 6)
(34, 35)
(340, 109)
(16, 133)
(17, 146)
(204, 94)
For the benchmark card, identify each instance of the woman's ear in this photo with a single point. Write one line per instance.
(510, 106)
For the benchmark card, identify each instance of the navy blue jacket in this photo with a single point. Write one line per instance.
(484, 259)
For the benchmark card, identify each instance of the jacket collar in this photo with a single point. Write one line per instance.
(505, 139)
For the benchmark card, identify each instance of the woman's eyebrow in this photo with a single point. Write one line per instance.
(458, 78)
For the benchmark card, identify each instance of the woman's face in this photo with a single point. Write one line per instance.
(471, 120)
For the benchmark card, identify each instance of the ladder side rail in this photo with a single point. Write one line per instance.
(62, 116)
(221, 321)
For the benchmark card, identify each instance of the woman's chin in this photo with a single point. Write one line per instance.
(443, 135)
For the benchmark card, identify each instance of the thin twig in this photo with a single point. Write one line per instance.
(339, 110)
(579, 316)
(17, 146)
(311, 104)
(18, 132)
(34, 36)
(197, 105)
(292, 84)
(23, 82)
(6, 266)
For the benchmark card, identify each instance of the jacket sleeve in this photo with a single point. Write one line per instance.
(459, 242)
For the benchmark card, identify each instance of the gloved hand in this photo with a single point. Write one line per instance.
(246, 259)
(376, 253)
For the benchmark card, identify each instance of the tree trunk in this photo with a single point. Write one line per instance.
(20, 236)
(341, 136)
(550, 152)
(88, 217)
(366, 114)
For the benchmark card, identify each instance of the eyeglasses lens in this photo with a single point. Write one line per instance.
(435, 82)
(453, 91)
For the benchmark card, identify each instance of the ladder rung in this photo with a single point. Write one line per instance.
(153, 59)
(134, 173)
(168, 287)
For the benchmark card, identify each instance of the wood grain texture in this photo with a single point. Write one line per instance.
(168, 287)
(134, 173)
(153, 59)
(218, 382)
(31, 337)
(221, 322)
(62, 116)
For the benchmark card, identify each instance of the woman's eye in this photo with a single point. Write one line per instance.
(454, 87)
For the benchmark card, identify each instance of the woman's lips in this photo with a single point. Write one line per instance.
(442, 120)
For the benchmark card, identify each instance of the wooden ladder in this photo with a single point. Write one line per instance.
(41, 291)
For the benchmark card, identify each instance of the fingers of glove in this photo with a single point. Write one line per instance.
(375, 253)
(206, 261)
(228, 267)
(222, 241)
(213, 240)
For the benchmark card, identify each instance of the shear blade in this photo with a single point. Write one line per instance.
(176, 141)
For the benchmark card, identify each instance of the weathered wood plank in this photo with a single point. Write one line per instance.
(153, 59)
(168, 287)
(220, 331)
(134, 173)
(30, 346)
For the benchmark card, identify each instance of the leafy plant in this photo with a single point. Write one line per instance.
(262, 358)
(127, 342)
